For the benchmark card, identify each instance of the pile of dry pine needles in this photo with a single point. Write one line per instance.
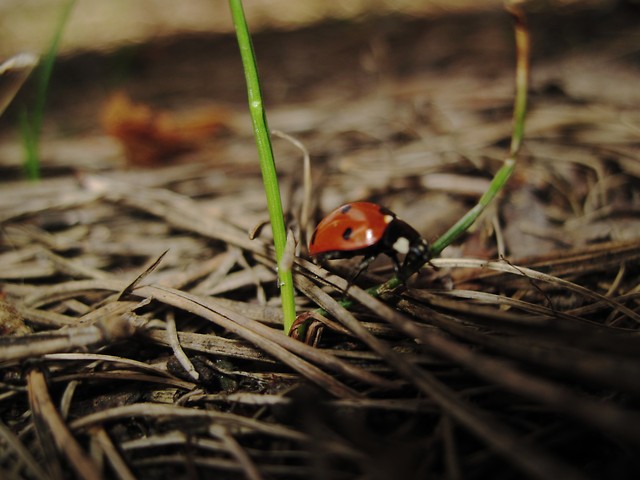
(142, 334)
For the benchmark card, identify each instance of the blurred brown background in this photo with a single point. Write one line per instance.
(99, 24)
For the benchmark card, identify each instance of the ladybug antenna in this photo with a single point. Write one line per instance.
(362, 266)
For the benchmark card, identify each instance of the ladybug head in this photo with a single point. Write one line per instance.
(415, 258)
(402, 239)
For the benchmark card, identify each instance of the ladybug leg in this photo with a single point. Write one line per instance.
(396, 263)
(362, 266)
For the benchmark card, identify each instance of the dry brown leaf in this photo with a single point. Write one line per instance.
(150, 136)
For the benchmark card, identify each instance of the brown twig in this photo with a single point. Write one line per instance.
(49, 424)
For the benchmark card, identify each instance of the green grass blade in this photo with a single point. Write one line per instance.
(31, 125)
(31, 163)
(267, 163)
(523, 48)
(461, 226)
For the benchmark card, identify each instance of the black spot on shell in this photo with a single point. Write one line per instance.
(345, 209)
(347, 233)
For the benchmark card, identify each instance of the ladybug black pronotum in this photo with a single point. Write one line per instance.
(365, 228)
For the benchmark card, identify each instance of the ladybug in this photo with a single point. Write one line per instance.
(368, 229)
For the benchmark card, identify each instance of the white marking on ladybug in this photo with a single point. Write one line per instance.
(388, 218)
(401, 245)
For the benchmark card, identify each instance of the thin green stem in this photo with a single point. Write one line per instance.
(30, 146)
(467, 220)
(47, 67)
(31, 125)
(267, 163)
(523, 47)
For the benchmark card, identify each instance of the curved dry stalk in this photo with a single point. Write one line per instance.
(108, 359)
(127, 376)
(305, 209)
(112, 454)
(576, 261)
(506, 267)
(46, 318)
(537, 314)
(37, 344)
(68, 290)
(178, 352)
(410, 405)
(50, 425)
(24, 461)
(212, 344)
(155, 411)
(249, 468)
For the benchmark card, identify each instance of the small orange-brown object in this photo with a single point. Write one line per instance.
(11, 322)
(150, 137)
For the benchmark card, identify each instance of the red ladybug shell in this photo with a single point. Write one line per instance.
(350, 228)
